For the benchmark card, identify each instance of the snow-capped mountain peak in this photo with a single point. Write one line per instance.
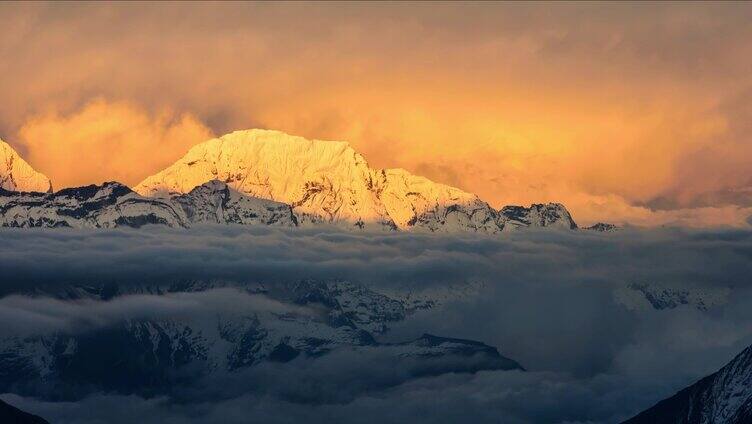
(328, 181)
(17, 175)
(271, 178)
(322, 180)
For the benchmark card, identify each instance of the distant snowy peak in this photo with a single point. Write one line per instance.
(537, 215)
(329, 182)
(603, 227)
(17, 175)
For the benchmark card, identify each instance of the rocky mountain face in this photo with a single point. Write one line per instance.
(215, 203)
(538, 215)
(603, 227)
(17, 175)
(320, 318)
(271, 178)
(724, 397)
(115, 205)
(106, 206)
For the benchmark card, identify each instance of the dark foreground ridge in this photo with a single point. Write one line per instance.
(724, 397)
(9, 414)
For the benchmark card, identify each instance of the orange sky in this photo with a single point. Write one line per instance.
(624, 112)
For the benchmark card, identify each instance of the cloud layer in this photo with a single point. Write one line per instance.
(42, 315)
(631, 112)
(546, 300)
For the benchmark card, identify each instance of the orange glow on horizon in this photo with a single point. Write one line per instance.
(596, 115)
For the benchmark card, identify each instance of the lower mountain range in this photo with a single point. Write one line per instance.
(313, 322)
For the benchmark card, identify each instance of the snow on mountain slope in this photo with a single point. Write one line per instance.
(415, 202)
(724, 397)
(106, 206)
(327, 181)
(537, 215)
(319, 318)
(603, 227)
(114, 205)
(322, 180)
(216, 203)
(643, 296)
(17, 175)
(260, 177)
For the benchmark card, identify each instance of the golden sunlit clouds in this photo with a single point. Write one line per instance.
(622, 112)
(107, 141)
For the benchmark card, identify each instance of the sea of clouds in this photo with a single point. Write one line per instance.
(546, 299)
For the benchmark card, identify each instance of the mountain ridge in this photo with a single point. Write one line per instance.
(328, 181)
(9, 414)
(724, 397)
(268, 177)
(113, 205)
(324, 181)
